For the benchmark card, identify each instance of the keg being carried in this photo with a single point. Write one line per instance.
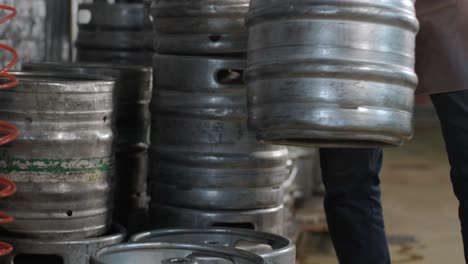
(333, 73)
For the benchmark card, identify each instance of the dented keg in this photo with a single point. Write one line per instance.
(200, 27)
(272, 248)
(171, 253)
(67, 251)
(134, 86)
(63, 161)
(341, 75)
(267, 220)
(203, 155)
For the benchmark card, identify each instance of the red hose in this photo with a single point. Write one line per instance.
(9, 132)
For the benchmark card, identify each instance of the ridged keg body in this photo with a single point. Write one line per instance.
(332, 73)
(203, 155)
(200, 27)
(114, 33)
(134, 91)
(63, 161)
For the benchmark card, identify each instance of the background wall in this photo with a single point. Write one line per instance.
(41, 30)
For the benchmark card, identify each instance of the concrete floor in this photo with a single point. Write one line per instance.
(420, 208)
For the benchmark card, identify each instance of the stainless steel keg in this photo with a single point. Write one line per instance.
(166, 253)
(134, 84)
(68, 251)
(115, 40)
(272, 248)
(114, 33)
(203, 154)
(63, 161)
(267, 220)
(332, 73)
(126, 16)
(200, 27)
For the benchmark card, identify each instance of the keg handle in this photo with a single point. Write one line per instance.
(229, 76)
(198, 257)
(232, 242)
(179, 261)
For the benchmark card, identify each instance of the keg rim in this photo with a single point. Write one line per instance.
(62, 82)
(123, 5)
(186, 9)
(316, 139)
(116, 233)
(81, 66)
(209, 211)
(277, 11)
(283, 244)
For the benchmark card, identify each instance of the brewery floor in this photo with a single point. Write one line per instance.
(420, 209)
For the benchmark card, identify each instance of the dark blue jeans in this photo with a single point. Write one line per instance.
(352, 205)
(351, 178)
(452, 109)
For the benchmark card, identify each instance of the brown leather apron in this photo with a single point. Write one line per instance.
(442, 46)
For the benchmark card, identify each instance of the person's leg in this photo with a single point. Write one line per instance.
(352, 205)
(452, 109)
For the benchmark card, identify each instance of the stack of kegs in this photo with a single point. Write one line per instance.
(115, 33)
(63, 167)
(206, 166)
(132, 120)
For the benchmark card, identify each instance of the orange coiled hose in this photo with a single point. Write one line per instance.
(8, 131)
